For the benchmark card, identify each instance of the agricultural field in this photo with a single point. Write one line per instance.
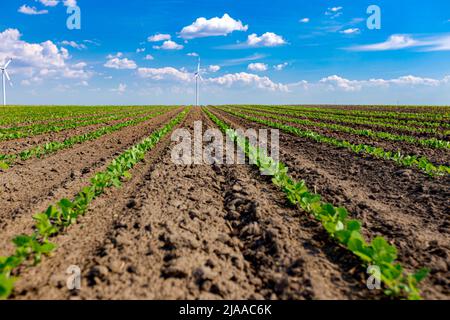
(97, 188)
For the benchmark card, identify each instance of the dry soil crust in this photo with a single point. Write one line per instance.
(32, 187)
(404, 205)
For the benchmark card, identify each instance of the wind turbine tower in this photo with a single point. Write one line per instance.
(198, 77)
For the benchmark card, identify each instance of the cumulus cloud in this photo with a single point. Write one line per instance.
(395, 42)
(213, 68)
(216, 26)
(350, 31)
(139, 50)
(149, 57)
(31, 10)
(73, 44)
(280, 66)
(118, 62)
(159, 37)
(257, 66)
(268, 39)
(166, 73)
(70, 3)
(192, 54)
(304, 20)
(169, 45)
(49, 3)
(341, 83)
(336, 82)
(38, 60)
(334, 12)
(120, 89)
(248, 80)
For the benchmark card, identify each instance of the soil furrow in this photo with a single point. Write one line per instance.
(195, 232)
(18, 145)
(436, 156)
(31, 188)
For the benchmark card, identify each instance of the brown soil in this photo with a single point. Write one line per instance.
(436, 156)
(410, 109)
(373, 127)
(33, 186)
(220, 231)
(195, 231)
(404, 205)
(18, 145)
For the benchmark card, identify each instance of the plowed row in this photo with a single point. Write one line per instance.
(220, 231)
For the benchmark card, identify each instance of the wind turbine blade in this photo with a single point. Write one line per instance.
(9, 79)
(7, 64)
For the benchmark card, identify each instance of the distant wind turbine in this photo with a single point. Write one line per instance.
(198, 77)
(5, 76)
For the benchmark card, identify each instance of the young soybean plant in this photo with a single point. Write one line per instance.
(65, 213)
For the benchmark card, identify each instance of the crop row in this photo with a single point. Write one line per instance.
(369, 113)
(431, 143)
(12, 115)
(70, 124)
(62, 121)
(422, 163)
(354, 120)
(335, 220)
(7, 160)
(58, 217)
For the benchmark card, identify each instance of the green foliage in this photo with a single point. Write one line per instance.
(40, 128)
(66, 212)
(431, 143)
(335, 220)
(421, 163)
(52, 147)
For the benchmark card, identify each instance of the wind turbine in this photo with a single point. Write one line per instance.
(5, 74)
(198, 77)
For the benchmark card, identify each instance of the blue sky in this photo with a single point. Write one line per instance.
(144, 52)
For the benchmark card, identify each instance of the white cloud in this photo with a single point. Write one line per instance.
(70, 3)
(304, 20)
(257, 66)
(395, 42)
(268, 39)
(49, 3)
(139, 50)
(73, 44)
(336, 82)
(192, 54)
(334, 12)
(31, 10)
(159, 37)
(117, 62)
(248, 80)
(121, 89)
(213, 68)
(38, 60)
(149, 57)
(280, 66)
(216, 26)
(350, 31)
(402, 41)
(169, 45)
(341, 83)
(166, 73)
